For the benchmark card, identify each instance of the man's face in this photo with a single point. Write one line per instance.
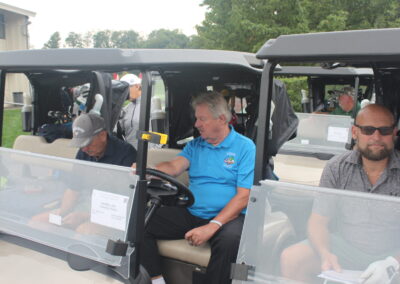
(210, 128)
(135, 91)
(374, 147)
(346, 102)
(98, 145)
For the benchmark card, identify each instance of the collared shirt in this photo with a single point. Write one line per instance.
(371, 225)
(339, 111)
(117, 152)
(215, 172)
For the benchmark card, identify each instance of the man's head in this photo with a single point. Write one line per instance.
(374, 131)
(89, 134)
(346, 99)
(212, 116)
(135, 86)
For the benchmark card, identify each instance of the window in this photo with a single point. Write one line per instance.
(2, 27)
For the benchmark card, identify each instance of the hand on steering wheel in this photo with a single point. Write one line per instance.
(174, 194)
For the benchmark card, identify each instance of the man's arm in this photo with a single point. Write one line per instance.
(318, 235)
(174, 167)
(234, 206)
(200, 235)
(68, 201)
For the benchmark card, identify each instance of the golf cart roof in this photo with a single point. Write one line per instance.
(321, 72)
(345, 46)
(114, 59)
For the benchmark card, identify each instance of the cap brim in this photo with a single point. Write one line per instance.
(80, 142)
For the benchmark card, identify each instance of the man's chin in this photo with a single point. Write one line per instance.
(375, 155)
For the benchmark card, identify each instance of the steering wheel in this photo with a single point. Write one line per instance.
(174, 194)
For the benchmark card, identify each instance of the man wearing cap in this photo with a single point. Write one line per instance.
(95, 145)
(346, 103)
(129, 121)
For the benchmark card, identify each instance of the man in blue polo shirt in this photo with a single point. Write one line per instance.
(221, 171)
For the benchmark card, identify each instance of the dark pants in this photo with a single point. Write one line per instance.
(173, 223)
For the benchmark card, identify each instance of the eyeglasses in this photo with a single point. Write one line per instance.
(369, 130)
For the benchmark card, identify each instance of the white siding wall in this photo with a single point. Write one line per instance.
(16, 39)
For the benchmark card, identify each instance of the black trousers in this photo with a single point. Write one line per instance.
(172, 223)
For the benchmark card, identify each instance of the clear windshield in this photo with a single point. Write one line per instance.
(70, 205)
(362, 228)
(320, 134)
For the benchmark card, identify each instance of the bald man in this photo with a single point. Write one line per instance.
(366, 235)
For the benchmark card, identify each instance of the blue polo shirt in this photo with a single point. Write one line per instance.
(215, 172)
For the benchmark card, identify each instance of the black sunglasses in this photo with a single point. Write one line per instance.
(369, 130)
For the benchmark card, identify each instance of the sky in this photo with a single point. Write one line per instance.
(81, 16)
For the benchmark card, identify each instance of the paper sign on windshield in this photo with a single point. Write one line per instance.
(109, 209)
(338, 134)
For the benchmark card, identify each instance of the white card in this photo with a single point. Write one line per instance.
(55, 219)
(338, 134)
(109, 209)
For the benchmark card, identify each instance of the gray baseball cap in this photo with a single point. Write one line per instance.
(84, 128)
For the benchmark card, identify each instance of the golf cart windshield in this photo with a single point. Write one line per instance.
(285, 208)
(32, 185)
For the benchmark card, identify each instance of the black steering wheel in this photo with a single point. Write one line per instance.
(173, 194)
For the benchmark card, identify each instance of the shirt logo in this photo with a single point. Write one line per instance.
(229, 159)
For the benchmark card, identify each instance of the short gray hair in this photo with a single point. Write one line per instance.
(216, 103)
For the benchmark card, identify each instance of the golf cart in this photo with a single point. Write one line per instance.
(41, 166)
(376, 49)
(320, 135)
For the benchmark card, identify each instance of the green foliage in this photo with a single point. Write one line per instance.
(166, 39)
(74, 40)
(12, 126)
(161, 38)
(102, 39)
(293, 88)
(247, 24)
(54, 41)
(125, 39)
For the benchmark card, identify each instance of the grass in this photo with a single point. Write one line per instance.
(12, 126)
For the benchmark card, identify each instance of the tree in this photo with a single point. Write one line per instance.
(125, 39)
(246, 24)
(102, 39)
(166, 39)
(54, 41)
(74, 40)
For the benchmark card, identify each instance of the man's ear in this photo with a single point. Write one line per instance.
(354, 132)
(103, 135)
(223, 118)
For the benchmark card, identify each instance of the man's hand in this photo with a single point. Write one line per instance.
(329, 261)
(200, 235)
(381, 271)
(74, 219)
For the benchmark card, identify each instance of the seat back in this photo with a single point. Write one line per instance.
(37, 144)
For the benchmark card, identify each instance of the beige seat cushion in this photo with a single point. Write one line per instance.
(37, 144)
(181, 250)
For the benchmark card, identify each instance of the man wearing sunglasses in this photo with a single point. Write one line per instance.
(366, 231)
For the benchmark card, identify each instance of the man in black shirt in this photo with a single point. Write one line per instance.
(95, 145)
